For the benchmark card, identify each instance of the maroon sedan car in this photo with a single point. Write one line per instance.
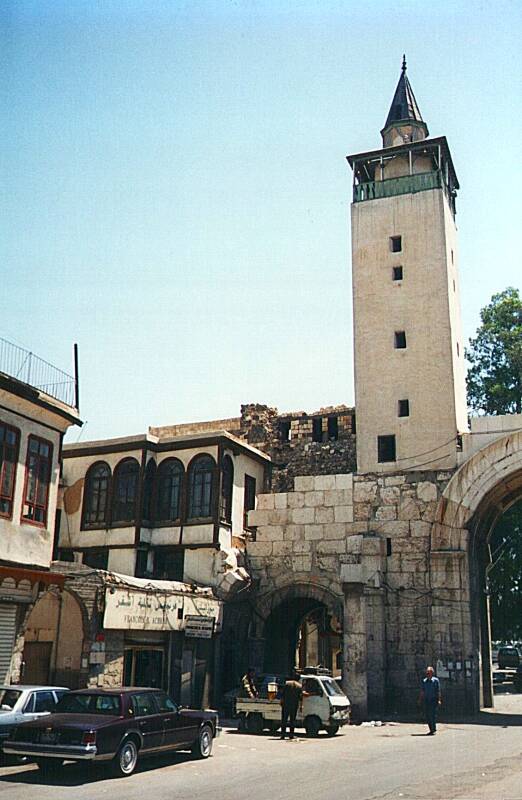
(114, 725)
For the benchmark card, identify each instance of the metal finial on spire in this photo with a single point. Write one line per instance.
(403, 63)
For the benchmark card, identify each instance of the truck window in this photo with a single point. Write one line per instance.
(332, 687)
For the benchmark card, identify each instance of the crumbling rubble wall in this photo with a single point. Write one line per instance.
(300, 444)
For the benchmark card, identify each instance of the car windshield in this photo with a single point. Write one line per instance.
(332, 687)
(8, 698)
(89, 704)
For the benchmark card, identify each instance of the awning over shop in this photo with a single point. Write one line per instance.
(31, 576)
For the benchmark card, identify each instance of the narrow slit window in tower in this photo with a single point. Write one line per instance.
(396, 244)
(404, 408)
(385, 449)
(400, 340)
(397, 273)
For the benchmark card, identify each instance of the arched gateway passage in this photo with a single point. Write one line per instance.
(301, 626)
(476, 497)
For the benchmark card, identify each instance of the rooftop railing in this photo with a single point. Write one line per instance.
(406, 184)
(28, 368)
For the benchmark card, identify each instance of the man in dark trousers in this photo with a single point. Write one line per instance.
(431, 697)
(291, 698)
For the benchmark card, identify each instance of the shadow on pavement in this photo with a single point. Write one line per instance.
(80, 774)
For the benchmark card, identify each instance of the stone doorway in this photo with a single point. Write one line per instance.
(302, 627)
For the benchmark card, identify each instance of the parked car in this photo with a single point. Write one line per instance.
(116, 726)
(509, 657)
(23, 703)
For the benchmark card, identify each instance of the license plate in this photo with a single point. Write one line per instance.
(48, 737)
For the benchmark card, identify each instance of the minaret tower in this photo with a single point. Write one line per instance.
(409, 355)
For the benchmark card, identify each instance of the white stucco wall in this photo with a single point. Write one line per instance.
(22, 542)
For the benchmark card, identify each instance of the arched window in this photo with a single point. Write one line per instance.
(148, 491)
(125, 490)
(227, 482)
(200, 478)
(96, 495)
(169, 483)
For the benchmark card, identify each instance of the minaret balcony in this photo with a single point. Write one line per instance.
(391, 187)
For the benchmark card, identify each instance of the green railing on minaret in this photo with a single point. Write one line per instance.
(406, 184)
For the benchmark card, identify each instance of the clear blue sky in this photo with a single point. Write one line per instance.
(177, 197)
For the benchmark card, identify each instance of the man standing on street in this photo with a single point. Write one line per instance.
(248, 684)
(431, 697)
(291, 698)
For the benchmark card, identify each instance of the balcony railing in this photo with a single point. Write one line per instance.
(28, 368)
(406, 184)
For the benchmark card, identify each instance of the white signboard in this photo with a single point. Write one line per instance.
(199, 627)
(130, 609)
(197, 606)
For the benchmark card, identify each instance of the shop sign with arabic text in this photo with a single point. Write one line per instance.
(128, 609)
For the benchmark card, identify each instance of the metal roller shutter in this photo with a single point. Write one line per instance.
(7, 637)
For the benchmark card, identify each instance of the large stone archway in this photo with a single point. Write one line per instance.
(266, 603)
(477, 495)
(283, 618)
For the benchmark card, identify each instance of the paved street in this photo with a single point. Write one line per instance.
(465, 761)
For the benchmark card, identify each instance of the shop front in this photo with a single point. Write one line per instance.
(19, 589)
(161, 634)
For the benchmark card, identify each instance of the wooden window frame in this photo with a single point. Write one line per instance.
(191, 468)
(249, 481)
(3, 461)
(226, 496)
(161, 467)
(115, 475)
(148, 502)
(99, 524)
(43, 506)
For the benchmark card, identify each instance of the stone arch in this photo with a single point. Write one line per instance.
(299, 623)
(477, 495)
(53, 639)
(485, 485)
(298, 590)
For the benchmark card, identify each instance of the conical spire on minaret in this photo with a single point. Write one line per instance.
(404, 110)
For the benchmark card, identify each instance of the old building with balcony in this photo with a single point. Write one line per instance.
(38, 403)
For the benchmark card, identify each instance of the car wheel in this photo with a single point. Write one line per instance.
(126, 759)
(48, 766)
(331, 730)
(312, 726)
(202, 747)
(254, 723)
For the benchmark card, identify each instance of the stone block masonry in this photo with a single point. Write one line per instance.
(367, 539)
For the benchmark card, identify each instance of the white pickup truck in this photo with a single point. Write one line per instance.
(325, 706)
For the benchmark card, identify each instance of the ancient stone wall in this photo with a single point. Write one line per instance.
(321, 443)
(367, 537)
